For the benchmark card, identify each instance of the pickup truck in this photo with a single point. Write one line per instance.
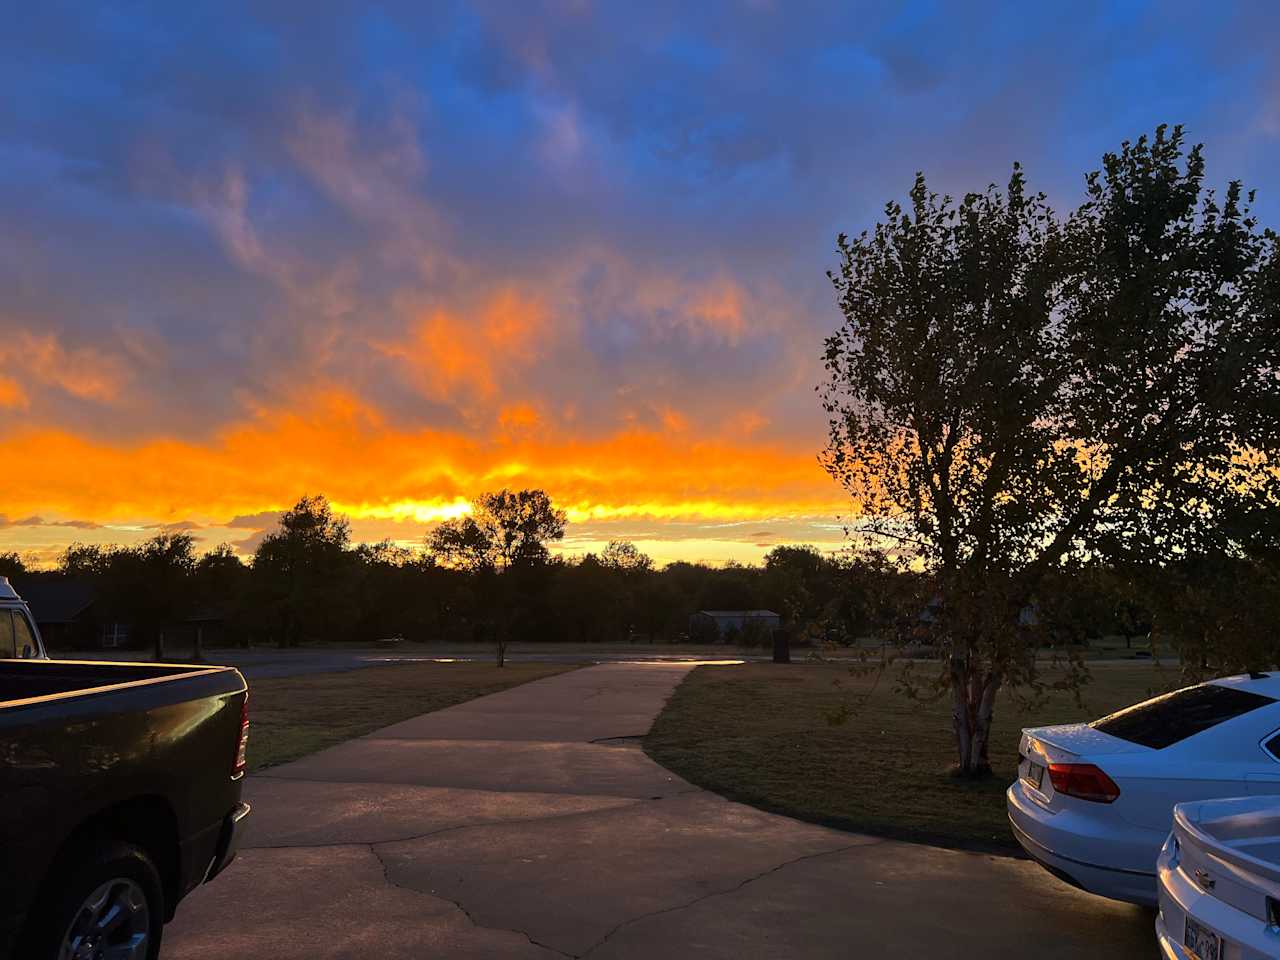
(119, 794)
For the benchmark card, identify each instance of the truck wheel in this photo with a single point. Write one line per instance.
(110, 907)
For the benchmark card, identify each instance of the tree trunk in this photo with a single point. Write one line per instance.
(973, 699)
(960, 714)
(979, 758)
(198, 653)
(159, 644)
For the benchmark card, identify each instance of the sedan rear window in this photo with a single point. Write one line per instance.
(1174, 717)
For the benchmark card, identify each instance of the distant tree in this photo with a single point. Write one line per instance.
(627, 569)
(11, 565)
(1132, 616)
(147, 585)
(1009, 390)
(502, 530)
(461, 543)
(661, 610)
(1221, 617)
(385, 553)
(623, 556)
(503, 540)
(399, 593)
(732, 587)
(867, 598)
(1076, 603)
(301, 570)
(796, 581)
(592, 602)
(85, 559)
(219, 584)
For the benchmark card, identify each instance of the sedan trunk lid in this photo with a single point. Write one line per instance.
(1069, 741)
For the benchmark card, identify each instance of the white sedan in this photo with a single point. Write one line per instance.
(1093, 801)
(1220, 881)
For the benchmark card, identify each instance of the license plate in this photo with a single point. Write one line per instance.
(1034, 774)
(1203, 942)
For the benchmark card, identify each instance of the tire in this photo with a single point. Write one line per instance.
(117, 889)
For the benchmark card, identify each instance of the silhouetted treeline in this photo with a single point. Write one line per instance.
(489, 577)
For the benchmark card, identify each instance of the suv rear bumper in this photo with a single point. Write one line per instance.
(229, 840)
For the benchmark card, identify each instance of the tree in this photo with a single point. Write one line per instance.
(623, 556)
(461, 544)
(11, 564)
(301, 572)
(1216, 637)
(219, 584)
(504, 541)
(502, 530)
(1010, 390)
(398, 594)
(147, 585)
(794, 581)
(84, 559)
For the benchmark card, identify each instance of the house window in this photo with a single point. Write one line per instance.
(115, 635)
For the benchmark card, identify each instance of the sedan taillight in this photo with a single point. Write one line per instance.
(1083, 781)
(242, 747)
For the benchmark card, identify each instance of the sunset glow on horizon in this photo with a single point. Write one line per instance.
(403, 256)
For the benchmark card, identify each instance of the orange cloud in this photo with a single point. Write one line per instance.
(748, 422)
(720, 306)
(447, 351)
(12, 396)
(518, 416)
(673, 420)
(83, 372)
(341, 446)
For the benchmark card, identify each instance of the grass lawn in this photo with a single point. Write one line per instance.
(759, 733)
(290, 717)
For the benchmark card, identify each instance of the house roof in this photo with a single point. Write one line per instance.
(738, 613)
(57, 601)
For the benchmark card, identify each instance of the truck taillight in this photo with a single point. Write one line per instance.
(1083, 781)
(242, 747)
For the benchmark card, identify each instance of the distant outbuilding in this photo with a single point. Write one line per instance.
(65, 611)
(722, 624)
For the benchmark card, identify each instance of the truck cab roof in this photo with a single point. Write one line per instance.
(7, 593)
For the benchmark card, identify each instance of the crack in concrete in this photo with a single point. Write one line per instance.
(721, 893)
(386, 876)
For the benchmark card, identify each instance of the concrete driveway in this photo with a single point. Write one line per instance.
(530, 824)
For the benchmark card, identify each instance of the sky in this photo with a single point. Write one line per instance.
(399, 254)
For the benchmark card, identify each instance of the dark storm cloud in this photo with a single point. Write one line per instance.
(42, 522)
(257, 521)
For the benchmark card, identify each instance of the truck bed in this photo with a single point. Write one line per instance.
(28, 679)
(146, 753)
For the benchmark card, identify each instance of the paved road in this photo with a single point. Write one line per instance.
(529, 824)
(261, 663)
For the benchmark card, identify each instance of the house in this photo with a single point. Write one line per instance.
(65, 610)
(721, 623)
